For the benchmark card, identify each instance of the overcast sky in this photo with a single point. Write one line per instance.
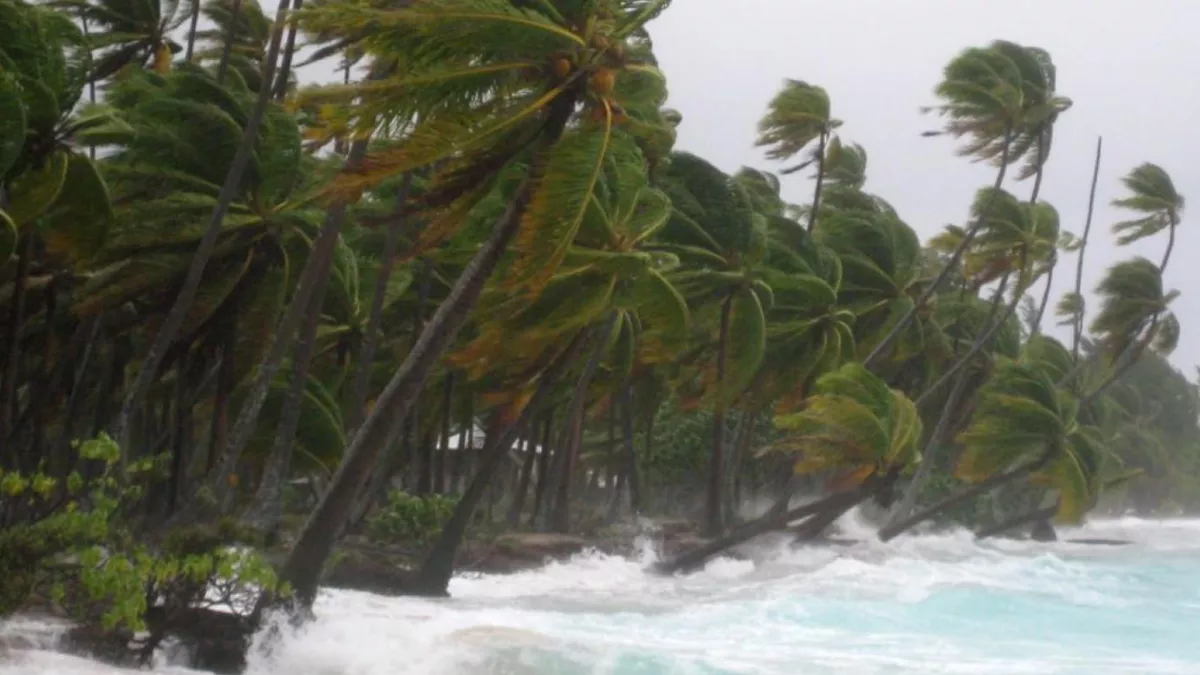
(1131, 69)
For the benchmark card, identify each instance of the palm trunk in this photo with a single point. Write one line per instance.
(716, 462)
(438, 566)
(950, 265)
(527, 465)
(936, 439)
(741, 449)
(439, 461)
(1037, 320)
(191, 284)
(1077, 335)
(1162, 267)
(235, 16)
(543, 470)
(982, 341)
(1035, 516)
(631, 463)
(814, 527)
(264, 512)
(8, 398)
(362, 378)
(697, 557)
(1021, 471)
(816, 205)
(573, 430)
(315, 273)
(219, 427)
(289, 50)
(302, 569)
(191, 38)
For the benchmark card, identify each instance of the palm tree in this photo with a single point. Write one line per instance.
(853, 425)
(721, 243)
(124, 33)
(998, 98)
(798, 115)
(485, 84)
(1072, 306)
(187, 293)
(1133, 316)
(1022, 415)
(1160, 205)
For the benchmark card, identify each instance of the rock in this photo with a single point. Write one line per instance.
(373, 571)
(522, 551)
(1043, 531)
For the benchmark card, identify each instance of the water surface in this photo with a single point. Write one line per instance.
(928, 604)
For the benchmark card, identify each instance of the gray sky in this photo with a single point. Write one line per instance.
(1129, 68)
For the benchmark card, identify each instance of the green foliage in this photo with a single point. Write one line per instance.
(854, 424)
(409, 519)
(76, 548)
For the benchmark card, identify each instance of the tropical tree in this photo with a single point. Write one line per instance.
(1153, 196)
(798, 115)
(997, 98)
(485, 84)
(125, 33)
(722, 244)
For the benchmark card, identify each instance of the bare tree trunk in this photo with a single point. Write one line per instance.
(438, 566)
(235, 17)
(264, 512)
(366, 356)
(716, 461)
(936, 439)
(8, 398)
(1087, 229)
(929, 291)
(191, 284)
(543, 469)
(1018, 472)
(631, 463)
(289, 50)
(816, 205)
(527, 465)
(1035, 516)
(302, 569)
(191, 38)
(439, 461)
(700, 555)
(573, 430)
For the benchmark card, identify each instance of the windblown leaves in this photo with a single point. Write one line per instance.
(853, 423)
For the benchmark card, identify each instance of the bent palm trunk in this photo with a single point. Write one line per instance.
(438, 567)
(264, 512)
(1019, 472)
(700, 555)
(195, 274)
(302, 569)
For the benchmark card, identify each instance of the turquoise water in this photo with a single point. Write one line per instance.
(929, 604)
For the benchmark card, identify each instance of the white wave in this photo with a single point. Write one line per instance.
(937, 602)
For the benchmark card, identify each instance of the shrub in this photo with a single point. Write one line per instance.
(406, 518)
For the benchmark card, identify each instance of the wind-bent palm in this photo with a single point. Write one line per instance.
(854, 425)
(1023, 417)
(124, 33)
(797, 116)
(1153, 195)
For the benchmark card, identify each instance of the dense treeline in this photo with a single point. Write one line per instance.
(481, 280)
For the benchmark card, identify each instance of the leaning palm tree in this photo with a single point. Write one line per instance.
(853, 426)
(994, 97)
(721, 243)
(1024, 426)
(486, 86)
(797, 116)
(1133, 316)
(1154, 197)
